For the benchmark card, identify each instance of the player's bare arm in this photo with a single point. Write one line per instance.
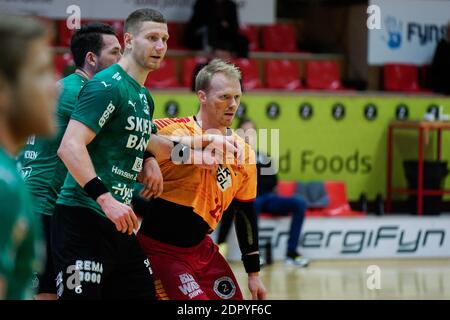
(73, 152)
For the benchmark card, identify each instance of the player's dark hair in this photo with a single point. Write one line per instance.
(135, 19)
(16, 36)
(88, 39)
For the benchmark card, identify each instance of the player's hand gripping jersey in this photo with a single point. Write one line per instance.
(206, 192)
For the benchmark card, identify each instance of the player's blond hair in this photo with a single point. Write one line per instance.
(203, 78)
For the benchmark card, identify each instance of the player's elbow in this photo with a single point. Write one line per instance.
(67, 147)
(62, 150)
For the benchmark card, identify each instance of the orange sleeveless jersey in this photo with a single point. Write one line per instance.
(208, 193)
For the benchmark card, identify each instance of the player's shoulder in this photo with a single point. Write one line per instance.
(172, 124)
(70, 86)
(109, 79)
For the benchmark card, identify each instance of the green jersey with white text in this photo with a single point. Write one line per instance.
(42, 169)
(20, 242)
(119, 110)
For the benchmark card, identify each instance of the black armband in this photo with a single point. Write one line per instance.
(246, 225)
(180, 153)
(148, 154)
(251, 262)
(95, 188)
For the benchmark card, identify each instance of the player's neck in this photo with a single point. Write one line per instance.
(205, 124)
(133, 69)
(84, 72)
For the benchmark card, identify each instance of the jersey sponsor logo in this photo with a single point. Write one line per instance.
(142, 126)
(30, 154)
(117, 76)
(138, 164)
(224, 180)
(122, 173)
(138, 143)
(26, 172)
(124, 192)
(109, 110)
(224, 287)
(147, 265)
(138, 124)
(106, 84)
(189, 287)
(31, 140)
(133, 104)
(82, 271)
(145, 106)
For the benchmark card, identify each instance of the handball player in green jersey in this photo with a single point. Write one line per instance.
(28, 94)
(94, 47)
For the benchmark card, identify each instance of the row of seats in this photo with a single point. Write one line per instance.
(335, 203)
(273, 38)
(285, 75)
(278, 74)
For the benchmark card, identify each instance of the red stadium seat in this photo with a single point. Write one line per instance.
(279, 38)
(286, 188)
(117, 25)
(401, 77)
(189, 65)
(250, 73)
(338, 205)
(323, 75)
(251, 33)
(282, 74)
(164, 77)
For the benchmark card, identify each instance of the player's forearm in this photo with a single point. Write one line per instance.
(76, 158)
(247, 234)
(160, 147)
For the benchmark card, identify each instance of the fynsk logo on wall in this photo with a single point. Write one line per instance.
(393, 28)
(397, 32)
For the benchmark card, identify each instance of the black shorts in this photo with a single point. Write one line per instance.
(46, 279)
(95, 261)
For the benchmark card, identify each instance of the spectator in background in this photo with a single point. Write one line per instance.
(220, 51)
(215, 21)
(268, 201)
(440, 67)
